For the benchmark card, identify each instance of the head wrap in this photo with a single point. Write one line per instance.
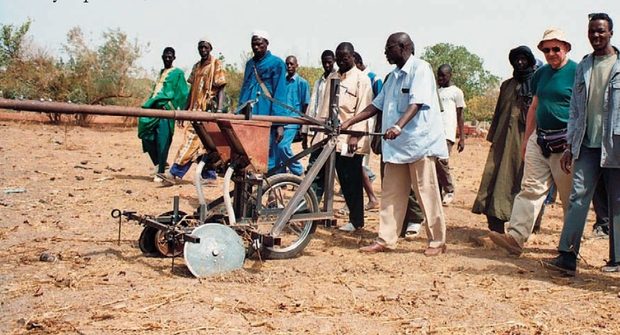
(522, 50)
(205, 39)
(524, 77)
(261, 34)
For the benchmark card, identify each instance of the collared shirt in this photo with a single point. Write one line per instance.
(206, 80)
(272, 72)
(423, 135)
(297, 93)
(577, 122)
(355, 95)
(451, 99)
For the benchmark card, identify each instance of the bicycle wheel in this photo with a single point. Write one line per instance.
(278, 191)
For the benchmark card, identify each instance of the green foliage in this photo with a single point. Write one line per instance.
(482, 107)
(91, 75)
(468, 72)
(12, 40)
(311, 74)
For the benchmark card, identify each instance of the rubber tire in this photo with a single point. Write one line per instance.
(146, 242)
(309, 228)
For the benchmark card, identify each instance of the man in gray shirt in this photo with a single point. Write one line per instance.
(593, 150)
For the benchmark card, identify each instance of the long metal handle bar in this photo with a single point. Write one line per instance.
(67, 108)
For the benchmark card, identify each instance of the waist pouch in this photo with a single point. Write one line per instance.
(551, 141)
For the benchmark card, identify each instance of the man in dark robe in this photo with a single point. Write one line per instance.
(501, 180)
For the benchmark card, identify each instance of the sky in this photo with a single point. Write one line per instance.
(487, 28)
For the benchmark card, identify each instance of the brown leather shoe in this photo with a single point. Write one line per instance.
(507, 242)
(430, 251)
(374, 248)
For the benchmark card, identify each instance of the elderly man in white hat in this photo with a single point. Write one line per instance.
(264, 79)
(545, 138)
(207, 81)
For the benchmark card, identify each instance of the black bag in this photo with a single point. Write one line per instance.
(375, 141)
(551, 141)
(298, 136)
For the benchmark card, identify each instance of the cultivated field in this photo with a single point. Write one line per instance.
(73, 177)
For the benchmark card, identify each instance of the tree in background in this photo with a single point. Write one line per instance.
(482, 107)
(468, 74)
(107, 74)
(12, 40)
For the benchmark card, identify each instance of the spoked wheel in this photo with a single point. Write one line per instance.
(153, 241)
(165, 248)
(278, 190)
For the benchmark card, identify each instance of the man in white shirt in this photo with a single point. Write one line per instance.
(452, 103)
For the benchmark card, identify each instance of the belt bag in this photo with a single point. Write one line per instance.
(551, 141)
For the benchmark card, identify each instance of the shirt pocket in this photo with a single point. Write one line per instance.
(403, 100)
(348, 99)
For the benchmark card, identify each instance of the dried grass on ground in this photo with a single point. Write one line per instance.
(73, 179)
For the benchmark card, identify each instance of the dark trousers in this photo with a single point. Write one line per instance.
(349, 171)
(443, 173)
(601, 209)
(586, 174)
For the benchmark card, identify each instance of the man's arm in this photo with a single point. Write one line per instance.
(461, 126)
(395, 130)
(367, 113)
(221, 96)
(530, 124)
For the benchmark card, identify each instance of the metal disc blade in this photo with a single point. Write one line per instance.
(220, 250)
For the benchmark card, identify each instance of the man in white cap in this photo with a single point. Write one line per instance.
(207, 81)
(545, 138)
(265, 78)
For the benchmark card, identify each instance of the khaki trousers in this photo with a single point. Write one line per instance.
(398, 181)
(538, 173)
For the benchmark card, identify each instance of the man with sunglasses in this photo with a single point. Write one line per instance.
(593, 151)
(545, 140)
(413, 140)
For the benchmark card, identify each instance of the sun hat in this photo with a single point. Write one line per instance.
(554, 34)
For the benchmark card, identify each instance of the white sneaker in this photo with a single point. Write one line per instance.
(448, 199)
(166, 178)
(349, 227)
(158, 179)
(413, 229)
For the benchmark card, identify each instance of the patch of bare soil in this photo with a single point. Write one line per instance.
(71, 179)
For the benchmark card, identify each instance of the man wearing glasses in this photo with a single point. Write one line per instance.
(413, 140)
(545, 138)
(593, 151)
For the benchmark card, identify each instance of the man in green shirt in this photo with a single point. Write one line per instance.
(552, 85)
(170, 93)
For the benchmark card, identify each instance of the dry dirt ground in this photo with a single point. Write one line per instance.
(73, 177)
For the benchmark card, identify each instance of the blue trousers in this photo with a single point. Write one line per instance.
(586, 174)
(280, 152)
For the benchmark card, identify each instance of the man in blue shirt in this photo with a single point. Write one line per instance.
(264, 78)
(297, 97)
(413, 140)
